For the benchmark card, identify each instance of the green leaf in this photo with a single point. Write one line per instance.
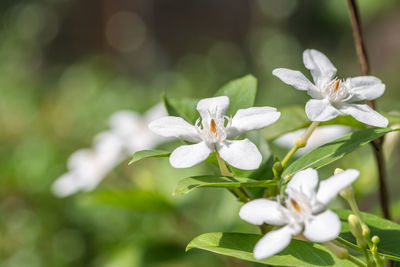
(241, 93)
(388, 232)
(298, 253)
(182, 107)
(335, 150)
(188, 184)
(143, 154)
(131, 199)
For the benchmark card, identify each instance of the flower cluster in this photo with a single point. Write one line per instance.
(128, 133)
(300, 211)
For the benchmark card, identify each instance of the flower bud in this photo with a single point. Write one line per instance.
(356, 230)
(375, 239)
(301, 142)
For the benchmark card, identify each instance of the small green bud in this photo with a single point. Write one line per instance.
(278, 167)
(365, 230)
(375, 239)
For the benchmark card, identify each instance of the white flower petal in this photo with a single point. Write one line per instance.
(175, 127)
(252, 119)
(365, 88)
(304, 181)
(364, 114)
(323, 227)
(320, 110)
(318, 64)
(242, 154)
(329, 188)
(272, 243)
(189, 155)
(217, 105)
(320, 136)
(65, 185)
(156, 112)
(261, 211)
(294, 78)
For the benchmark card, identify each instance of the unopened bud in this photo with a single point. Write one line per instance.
(365, 230)
(356, 230)
(347, 193)
(375, 239)
(340, 252)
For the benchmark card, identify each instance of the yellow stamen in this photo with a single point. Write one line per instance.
(335, 86)
(295, 205)
(213, 126)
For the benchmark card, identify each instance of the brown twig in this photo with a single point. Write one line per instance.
(365, 70)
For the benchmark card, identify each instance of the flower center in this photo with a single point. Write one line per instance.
(213, 127)
(295, 205)
(336, 91)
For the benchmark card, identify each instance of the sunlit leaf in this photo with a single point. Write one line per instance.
(143, 154)
(241, 93)
(335, 150)
(182, 107)
(298, 253)
(190, 183)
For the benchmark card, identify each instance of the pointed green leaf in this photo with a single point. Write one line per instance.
(149, 154)
(335, 150)
(241, 93)
(298, 253)
(182, 107)
(188, 184)
(388, 232)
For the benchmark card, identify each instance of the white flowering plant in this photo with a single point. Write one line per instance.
(284, 198)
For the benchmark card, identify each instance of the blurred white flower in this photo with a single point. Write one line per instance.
(211, 132)
(320, 136)
(128, 134)
(332, 96)
(301, 213)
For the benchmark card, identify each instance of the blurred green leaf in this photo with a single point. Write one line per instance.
(335, 150)
(190, 183)
(182, 107)
(143, 154)
(241, 93)
(131, 199)
(393, 117)
(388, 232)
(238, 245)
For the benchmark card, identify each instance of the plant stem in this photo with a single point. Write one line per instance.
(300, 142)
(239, 192)
(365, 70)
(343, 253)
(356, 261)
(367, 258)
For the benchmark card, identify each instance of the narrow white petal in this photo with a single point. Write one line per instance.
(321, 110)
(175, 127)
(304, 181)
(80, 157)
(365, 87)
(294, 78)
(242, 154)
(318, 64)
(261, 211)
(189, 155)
(252, 119)
(364, 114)
(323, 227)
(329, 188)
(124, 121)
(65, 185)
(217, 105)
(272, 243)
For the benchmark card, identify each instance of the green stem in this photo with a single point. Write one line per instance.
(300, 142)
(367, 258)
(238, 191)
(356, 261)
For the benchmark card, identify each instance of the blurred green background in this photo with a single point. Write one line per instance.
(67, 65)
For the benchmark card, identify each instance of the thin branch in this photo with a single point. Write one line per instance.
(365, 70)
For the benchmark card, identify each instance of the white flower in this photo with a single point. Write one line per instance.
(332, 96)
(87, 167)
(129, 133)
(302, 213)
(131, 128)
(213, 131)
(320, 136)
